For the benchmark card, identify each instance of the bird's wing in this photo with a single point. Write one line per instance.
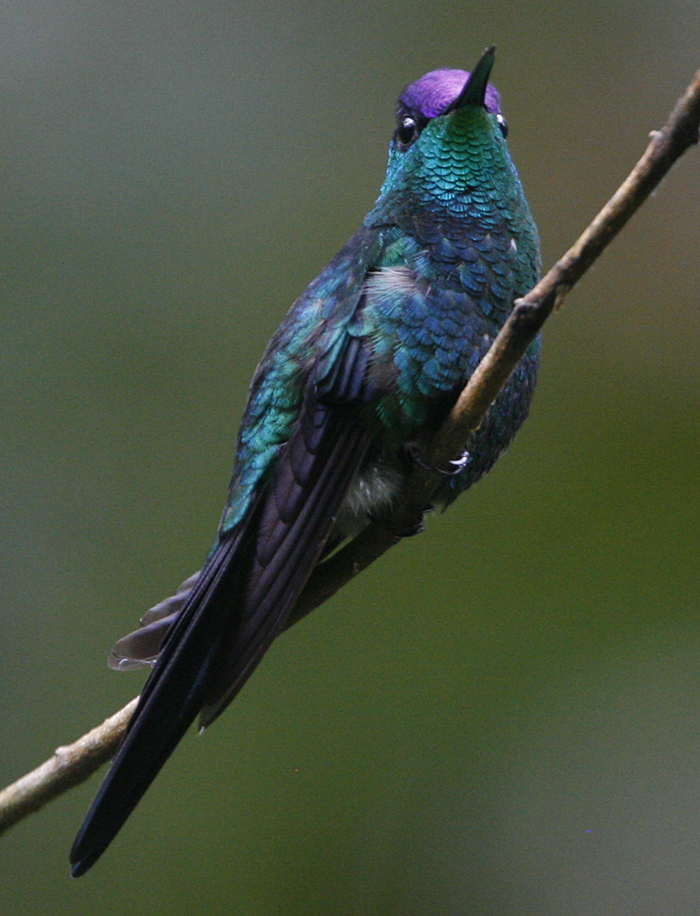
(293, 520)
(244, 593)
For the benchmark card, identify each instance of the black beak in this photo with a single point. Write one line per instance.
(474, 92)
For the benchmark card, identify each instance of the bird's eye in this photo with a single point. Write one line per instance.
(502, 124)
(406, 132)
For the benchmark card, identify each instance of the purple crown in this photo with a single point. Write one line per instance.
(433, 93)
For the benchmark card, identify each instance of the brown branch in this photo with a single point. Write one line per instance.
(73, 764)
(68, 767)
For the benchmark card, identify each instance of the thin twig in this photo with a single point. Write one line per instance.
(71, 765)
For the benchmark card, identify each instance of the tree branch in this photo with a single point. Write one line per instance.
(68, 767)
(71, 765)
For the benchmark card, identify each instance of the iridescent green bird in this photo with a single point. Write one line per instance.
(351, 388)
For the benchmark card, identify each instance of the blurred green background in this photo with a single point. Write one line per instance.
(501, 716)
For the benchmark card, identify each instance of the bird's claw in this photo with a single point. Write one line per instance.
(411, 528)
(458, 465)
(404, 528)
(455, 467)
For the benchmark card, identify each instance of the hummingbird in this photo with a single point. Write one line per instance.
(352, 386)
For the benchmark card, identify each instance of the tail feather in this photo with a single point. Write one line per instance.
(141, 648)
(169, 703)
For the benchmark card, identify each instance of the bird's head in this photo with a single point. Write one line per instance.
(449, 139)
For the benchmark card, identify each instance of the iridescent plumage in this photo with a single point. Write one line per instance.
(359, 375)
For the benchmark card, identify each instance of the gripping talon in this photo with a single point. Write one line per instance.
(456, 466)
(411, 529)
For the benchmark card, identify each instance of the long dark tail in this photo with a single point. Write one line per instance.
(169, 703)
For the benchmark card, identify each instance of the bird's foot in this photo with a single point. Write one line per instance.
(455, 467)
(412, 527)
(404, 527)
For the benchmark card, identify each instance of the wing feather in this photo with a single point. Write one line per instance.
(286, 553)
